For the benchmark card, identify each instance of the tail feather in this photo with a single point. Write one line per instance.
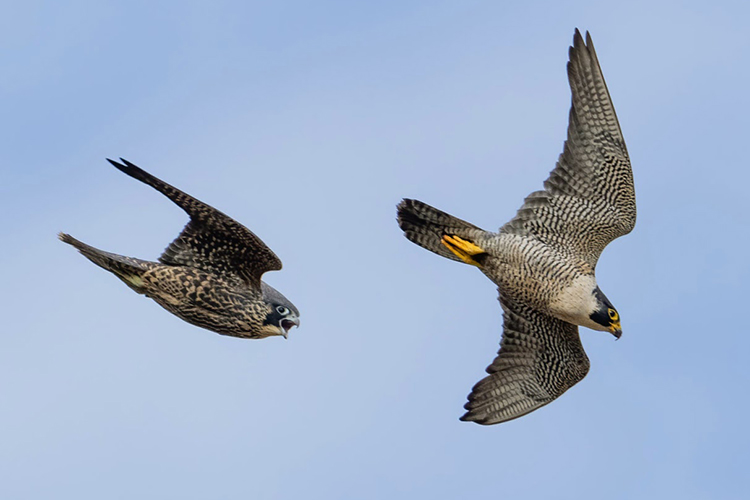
(425, 226)
(128, 269)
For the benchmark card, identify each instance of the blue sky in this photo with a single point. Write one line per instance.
(308, 122)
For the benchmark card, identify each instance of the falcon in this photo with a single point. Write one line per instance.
(210, 276)
(543, 260)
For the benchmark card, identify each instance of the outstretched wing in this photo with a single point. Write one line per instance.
(540, 358)
(589, 198)
(211, 241)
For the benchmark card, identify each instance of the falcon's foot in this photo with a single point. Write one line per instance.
(464, 250)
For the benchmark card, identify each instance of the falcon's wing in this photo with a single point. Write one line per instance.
(211, 241)
(540, 358)
(589, 198)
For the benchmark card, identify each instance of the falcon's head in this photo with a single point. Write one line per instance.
(281, 314)
(606, 315)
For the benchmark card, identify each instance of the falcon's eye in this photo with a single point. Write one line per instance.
(282, 310)
(613, 315)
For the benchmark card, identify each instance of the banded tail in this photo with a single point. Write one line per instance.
(128, 269)
(440, 232)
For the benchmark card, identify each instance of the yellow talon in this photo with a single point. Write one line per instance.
(462, 249)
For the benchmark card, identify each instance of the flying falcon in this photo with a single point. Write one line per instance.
(543, 260)
(210, 275)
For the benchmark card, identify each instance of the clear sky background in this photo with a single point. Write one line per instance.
(308, 121)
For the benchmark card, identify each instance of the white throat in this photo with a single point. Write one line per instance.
(576, 303)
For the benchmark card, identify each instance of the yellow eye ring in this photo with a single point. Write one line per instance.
(613, 315)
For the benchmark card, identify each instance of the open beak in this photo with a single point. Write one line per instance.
(287, 324)
(615, 329)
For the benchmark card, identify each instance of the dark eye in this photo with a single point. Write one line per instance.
(613, 315)
(282, 310)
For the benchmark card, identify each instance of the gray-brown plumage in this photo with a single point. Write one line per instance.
(210, 275)
(543, 260)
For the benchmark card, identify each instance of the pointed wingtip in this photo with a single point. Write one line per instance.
(117, 165)
(125, 163)
(130, 169)
(580, 52)
(579, 40)
(468, 417)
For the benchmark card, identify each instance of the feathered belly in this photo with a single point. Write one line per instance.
(529, 272)
(202, 300)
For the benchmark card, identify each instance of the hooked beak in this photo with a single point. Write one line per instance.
(287, 324)
(615, 329)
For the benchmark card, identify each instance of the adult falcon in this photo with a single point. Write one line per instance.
(210, 275)
(543, 260)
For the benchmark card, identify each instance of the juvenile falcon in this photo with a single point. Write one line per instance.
(543, 260)
(210, 275)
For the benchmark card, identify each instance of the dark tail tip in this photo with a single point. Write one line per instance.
(405, 215)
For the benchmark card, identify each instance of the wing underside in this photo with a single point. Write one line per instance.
(540, 358)
(589, 198)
